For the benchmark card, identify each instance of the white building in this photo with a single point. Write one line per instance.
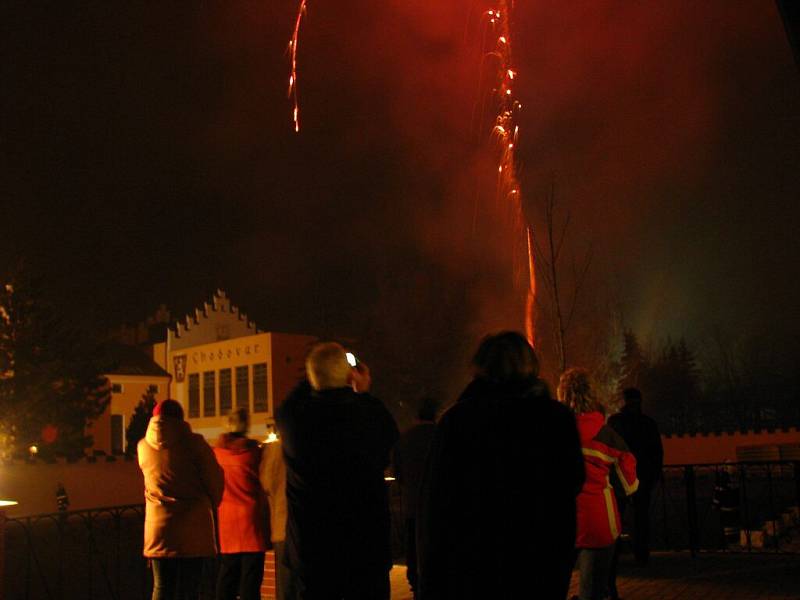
(218, 360)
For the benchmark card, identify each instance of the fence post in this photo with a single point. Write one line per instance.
(745, 505)
(90, 591)
(664, 509)
(796, 475)
(2, 552)
(691, 509)
(772, 515)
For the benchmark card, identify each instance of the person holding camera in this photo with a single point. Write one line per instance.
(336, 441)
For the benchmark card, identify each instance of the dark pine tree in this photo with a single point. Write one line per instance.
(670, 385)
(138, 425)
(634, 364)
(51, 382)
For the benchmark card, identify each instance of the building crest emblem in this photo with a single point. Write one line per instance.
(180, 367)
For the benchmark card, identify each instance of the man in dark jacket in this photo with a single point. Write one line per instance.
(409, 465)
(497, 506)
(640, 433)
(336, 441)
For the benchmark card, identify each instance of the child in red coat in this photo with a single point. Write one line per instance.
(598, 517)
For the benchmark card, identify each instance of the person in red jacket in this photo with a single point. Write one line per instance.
(603, 450)
(243, 513)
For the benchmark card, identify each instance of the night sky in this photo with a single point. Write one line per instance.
(147, 156)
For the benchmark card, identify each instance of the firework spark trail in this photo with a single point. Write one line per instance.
(506, 132)
(301, 11)
(530, 301)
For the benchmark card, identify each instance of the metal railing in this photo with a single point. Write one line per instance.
(683, 515)
(97, 554)
(94, 554)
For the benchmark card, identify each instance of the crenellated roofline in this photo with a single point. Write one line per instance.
(219, 312)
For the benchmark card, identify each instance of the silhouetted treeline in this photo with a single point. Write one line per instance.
(716, 384)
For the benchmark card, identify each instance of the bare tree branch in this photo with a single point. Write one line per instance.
(560, 243)
(580, 280)
(548, 249)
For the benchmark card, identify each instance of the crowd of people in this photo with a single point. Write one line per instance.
(502, 495)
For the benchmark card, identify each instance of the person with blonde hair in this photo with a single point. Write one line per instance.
(598, 516)
(496, 514)
(243, 513)
(327, 368)
(336, 441)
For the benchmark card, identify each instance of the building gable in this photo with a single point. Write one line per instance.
(214, 322)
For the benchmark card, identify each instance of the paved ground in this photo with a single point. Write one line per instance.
(673, 576)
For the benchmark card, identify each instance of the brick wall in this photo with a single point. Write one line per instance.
(33, 485)
(719, 447)
(268, 586)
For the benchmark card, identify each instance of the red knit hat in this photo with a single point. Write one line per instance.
(169, 408)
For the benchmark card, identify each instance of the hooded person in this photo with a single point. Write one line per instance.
(243, 513)
(183, 485)
(496, 514)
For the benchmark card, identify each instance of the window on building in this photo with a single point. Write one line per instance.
(209, 398)
(116, 388)
(260, 387)
(117, 434)
(243, 387)
(225, 392)
(194, 395)
(152, 389)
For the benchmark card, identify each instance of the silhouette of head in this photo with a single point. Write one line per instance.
(239, 421)
(169, 408)
(327, 367)
(428, 407)
(632, 396)
(506, 357)
(575, 390)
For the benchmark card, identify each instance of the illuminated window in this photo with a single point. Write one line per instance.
(194, 395)
(209, 398)
(116, 388)
(243, 387)
(225, 392)
(260, 387)
(152, 389)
